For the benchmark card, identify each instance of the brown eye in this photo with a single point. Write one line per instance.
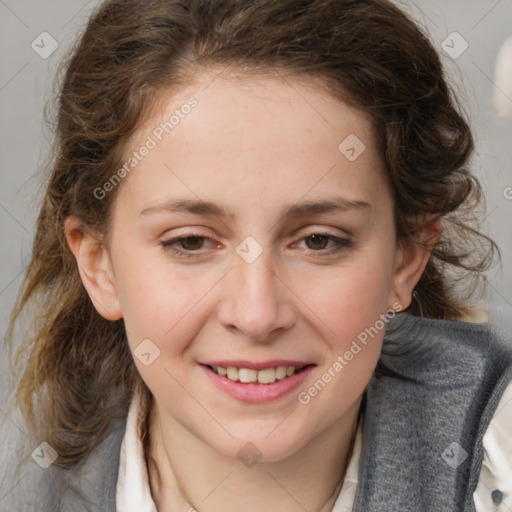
(318, 241)
(186, 246)
(324, 243)
(192, 243)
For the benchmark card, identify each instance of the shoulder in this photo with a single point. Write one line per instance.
(450, 366)
(446, 351)
(32, 482)
(434, 392)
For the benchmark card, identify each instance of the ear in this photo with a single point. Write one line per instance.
(410, 262)
(94, 267)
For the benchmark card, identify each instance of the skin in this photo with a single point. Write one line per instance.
(254, 146)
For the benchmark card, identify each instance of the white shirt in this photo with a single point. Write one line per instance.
(493, 493)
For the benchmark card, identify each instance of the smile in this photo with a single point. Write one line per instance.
(251, 375)
(261, 382)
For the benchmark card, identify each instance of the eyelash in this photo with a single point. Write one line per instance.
(170, 245)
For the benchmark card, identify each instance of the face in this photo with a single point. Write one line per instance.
(258, 234)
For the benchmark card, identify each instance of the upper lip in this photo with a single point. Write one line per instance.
(240, 363)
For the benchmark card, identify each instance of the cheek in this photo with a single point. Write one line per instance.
(151, 297)
(351, 309)
(350, 305)
(161, 316)
(349, 299)
(156, 305)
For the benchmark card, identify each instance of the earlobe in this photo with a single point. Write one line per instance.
(410, 262)
(94, 267)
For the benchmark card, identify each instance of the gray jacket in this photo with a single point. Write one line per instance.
(426, 410)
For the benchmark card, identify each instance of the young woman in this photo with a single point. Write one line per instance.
(245, 272)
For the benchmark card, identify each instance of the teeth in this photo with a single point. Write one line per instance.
(281, 372)
(267, 376)
(248, 375)
(232, 373)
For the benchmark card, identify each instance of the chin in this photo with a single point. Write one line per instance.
(261, 445)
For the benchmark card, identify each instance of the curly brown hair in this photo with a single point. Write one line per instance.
(368, 53)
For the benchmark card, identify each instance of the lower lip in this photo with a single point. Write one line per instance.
(258, 393)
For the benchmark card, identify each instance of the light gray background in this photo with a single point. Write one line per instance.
(25, 86)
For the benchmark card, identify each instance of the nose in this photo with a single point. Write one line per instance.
(258, 303)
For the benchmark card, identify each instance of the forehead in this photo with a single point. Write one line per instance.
(270, 138)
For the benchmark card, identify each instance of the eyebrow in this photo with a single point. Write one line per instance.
(209, 208)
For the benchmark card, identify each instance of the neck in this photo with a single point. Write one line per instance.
(187, 474)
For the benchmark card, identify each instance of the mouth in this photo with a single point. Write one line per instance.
(267, 375)
(253, 383)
